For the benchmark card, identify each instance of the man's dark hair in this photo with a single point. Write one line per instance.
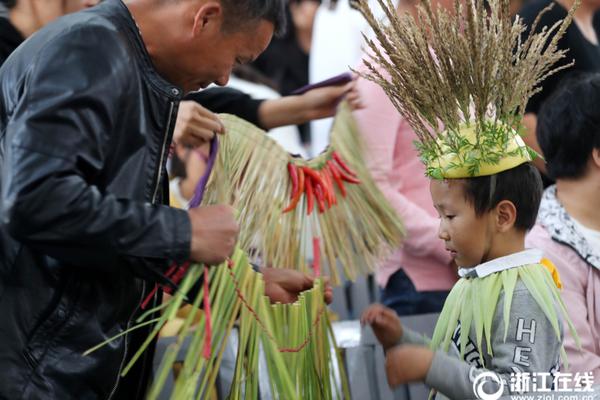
(8, 3)
(568, 126)
(521, 185)
(241, 12)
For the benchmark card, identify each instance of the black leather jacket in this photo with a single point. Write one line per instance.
(85, 129)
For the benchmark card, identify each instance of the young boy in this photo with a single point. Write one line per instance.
(485, 235)
(462, 78)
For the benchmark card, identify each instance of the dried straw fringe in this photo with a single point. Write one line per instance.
(251, 175)
(447, 67)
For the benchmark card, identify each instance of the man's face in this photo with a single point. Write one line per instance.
(71, 6)
(47, 11)
(211, 55)
(467, 236)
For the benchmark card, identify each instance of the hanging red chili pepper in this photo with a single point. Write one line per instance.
(337, 177)
(298, 193)
(309, 193)
(349, 179)
(329, 182)
(320, 198)
(314, 175)
(342, 164)
(293, 172)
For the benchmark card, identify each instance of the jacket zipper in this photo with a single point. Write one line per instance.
(158, 183)
(162, 153)
(114, 389)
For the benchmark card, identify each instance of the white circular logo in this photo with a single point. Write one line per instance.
(480, 381)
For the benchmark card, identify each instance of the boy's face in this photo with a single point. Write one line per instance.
(466, 235)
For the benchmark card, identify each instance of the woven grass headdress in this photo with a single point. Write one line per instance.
(462, 79)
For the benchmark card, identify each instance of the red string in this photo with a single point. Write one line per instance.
(207, 317)
(317, 256)
(174, 273)
(262, 325)
(153, 291)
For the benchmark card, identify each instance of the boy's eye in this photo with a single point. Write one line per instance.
(449, 216)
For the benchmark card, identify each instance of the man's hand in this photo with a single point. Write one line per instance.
(284, 285)
(214, 233)
(407, 363)
(385, 323)
(195, 125)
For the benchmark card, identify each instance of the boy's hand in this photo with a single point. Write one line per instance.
(385, 323)
(407, 363)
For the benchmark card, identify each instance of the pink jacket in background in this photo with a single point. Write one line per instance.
(397, 170)
(556, 235)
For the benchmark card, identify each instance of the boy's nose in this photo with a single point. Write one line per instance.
(443, 233)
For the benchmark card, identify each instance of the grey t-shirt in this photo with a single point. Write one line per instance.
(531, 346)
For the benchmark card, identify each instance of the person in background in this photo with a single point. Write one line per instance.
(285, 61)
(581, 42)
(19, 19)
(418, 276)
(568, 225)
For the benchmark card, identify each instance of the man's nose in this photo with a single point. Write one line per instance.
(222, 81)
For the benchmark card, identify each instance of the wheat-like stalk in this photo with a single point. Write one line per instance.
(447, 69)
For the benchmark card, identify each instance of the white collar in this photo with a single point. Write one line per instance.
(525, 257)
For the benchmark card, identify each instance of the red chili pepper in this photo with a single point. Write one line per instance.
(309, 194)
(319, 197)
(326, 187)
(337, 177)
(329, 176)
(293, 171)
(314, 175)
(349, 179)
(342, 164)
(299, 192)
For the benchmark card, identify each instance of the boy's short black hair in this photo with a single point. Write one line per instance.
(521, 185)
(568, 126)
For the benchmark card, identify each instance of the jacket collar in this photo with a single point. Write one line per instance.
(131, 30)
(525, 257)
(560, 226)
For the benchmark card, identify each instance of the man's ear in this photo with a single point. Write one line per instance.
(506, 215)
(207, 14)
(596, 157)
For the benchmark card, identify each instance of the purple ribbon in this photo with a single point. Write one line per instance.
(201, 186)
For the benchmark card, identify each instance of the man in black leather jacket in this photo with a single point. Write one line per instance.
(87, 109)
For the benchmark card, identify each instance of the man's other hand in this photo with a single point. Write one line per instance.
(285, 285)
(214, 233)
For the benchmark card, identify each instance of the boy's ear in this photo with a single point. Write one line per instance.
(506, 215)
